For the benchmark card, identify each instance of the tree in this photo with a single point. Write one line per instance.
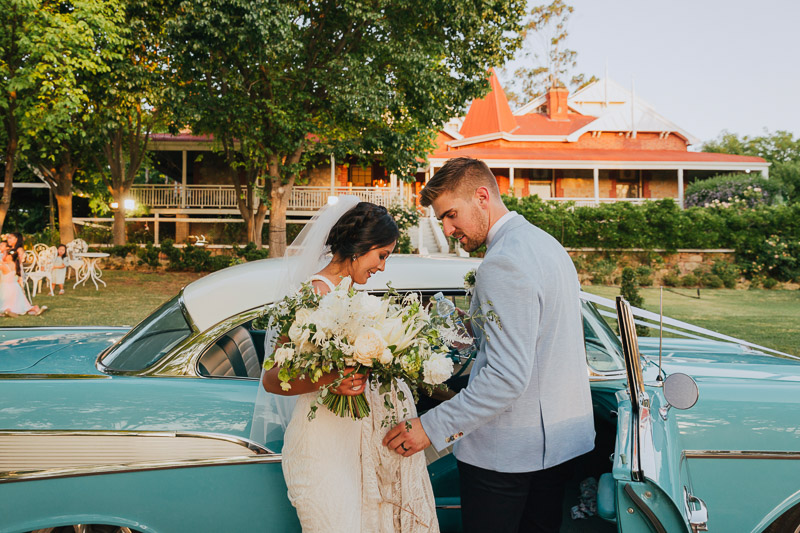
(130, 100)
(780, 149)
(548, 63)
(279, 83)
(48, 51)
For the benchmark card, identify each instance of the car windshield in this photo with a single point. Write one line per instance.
(150, 340)
(603, 348)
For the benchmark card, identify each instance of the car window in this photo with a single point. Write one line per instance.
(603, 348)
(150, 340)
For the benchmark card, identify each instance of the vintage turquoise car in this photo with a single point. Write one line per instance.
(148, 429)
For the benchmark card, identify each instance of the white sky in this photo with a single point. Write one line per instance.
(707, 65)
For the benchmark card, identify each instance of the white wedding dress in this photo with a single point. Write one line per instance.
(342, 479)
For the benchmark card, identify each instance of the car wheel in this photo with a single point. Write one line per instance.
(788, 522)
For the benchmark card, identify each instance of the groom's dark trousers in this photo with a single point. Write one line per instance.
(500, 502)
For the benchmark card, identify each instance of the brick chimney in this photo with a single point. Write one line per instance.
(557, 103)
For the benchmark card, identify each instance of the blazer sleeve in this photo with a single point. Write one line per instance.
(509, 348)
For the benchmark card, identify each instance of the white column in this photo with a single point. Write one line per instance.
(511, 181)
(393, 185)
(183, 179)
(429, 175)
(596, 176)
(680, 188)
(333, 175)
(765, 173)
(155, 229)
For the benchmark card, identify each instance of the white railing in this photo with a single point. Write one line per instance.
(175, 196)
(591, 201)
(311, 198)
(224, 196)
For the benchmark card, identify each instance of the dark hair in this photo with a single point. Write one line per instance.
(459, 173)
(58, 249)
(19, 243)
(14, 254)
(361, 229)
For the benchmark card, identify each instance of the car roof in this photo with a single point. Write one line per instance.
(236, 289)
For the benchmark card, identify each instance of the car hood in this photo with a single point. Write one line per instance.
(719, 360)
(54, 351)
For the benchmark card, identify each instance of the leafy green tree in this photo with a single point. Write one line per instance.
(780, 149)
(279, 83)
(48, 49)
(548, 62)
(131, 100)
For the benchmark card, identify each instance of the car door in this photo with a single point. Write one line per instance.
(651, 483)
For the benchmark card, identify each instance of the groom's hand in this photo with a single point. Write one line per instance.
(407, 438)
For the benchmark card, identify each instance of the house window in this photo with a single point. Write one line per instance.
(359, 176)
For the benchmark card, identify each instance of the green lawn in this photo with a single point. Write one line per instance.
(767, 317)
(770, 318)
(127, 299)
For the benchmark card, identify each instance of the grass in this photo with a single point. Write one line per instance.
(128, 298)
(765, 317)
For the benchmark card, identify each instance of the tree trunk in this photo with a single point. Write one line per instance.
(8, 179)
(259, 217)
(63, 193)
(118, 230)
(65, 227)
(279, 196)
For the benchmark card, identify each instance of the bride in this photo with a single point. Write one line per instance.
(340, 477)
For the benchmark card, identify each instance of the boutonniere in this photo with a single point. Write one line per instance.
(469, 281)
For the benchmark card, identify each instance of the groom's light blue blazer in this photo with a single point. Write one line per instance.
(527, 406)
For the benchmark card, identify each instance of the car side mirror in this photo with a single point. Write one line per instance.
(680, 391)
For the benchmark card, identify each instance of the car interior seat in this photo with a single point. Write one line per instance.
(234, 354)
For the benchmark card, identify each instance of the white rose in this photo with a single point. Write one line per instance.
(302, 316)
(282, 355)
(369, 345)
(437, 369)
(386, 357)
(296, 333)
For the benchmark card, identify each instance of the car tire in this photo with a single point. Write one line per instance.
(788, 522)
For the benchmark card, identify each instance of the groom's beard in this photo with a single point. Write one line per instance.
(476, 240)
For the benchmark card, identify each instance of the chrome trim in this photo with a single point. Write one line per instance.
(53, 376)
(13, 477)
(262, 454)
(740, 454)
(253, 446)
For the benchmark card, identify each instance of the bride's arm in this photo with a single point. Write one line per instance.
(352, 385)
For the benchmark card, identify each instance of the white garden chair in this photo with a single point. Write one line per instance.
(28, 265)
(44, 268)
(75, 263)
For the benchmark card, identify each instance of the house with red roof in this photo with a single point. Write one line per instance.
(601, 144)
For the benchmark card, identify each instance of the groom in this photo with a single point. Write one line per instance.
(527, 409)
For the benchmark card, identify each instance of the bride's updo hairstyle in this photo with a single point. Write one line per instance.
(364, 227)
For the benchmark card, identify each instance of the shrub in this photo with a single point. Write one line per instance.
(148, 256)
(218, 262)
(630, 291)
(727, 272)
(729, 189)
(689, 280)
(251, 253)
(644, 275)
(711, 281)
(404, 216)
(601, 270)
(122, 250)
(404, 244)
(672, 279)
(770, 283)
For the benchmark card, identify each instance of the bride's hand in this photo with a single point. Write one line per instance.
(353, 384)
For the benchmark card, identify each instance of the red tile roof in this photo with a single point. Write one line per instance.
(539, 124)
(555, 154)
(490, 114)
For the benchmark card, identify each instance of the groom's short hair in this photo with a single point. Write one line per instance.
(460, 174)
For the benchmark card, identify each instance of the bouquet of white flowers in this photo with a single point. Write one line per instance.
(394, 338)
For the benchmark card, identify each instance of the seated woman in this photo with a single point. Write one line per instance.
(12, 299)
